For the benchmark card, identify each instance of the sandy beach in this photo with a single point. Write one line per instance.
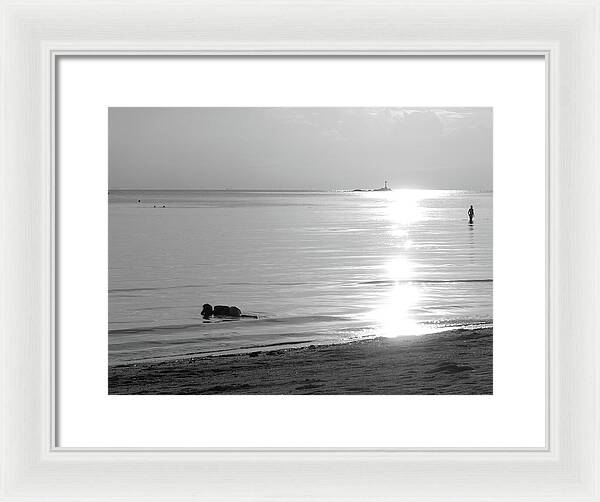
(452, 362)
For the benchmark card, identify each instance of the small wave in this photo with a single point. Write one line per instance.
(425, 281)
(196, 286)
(267, 283)
(236, 350)
(175, 327)
(154, 329)
(205, 324)
(299, 319)
(131, 290)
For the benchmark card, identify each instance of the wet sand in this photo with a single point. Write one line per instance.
(454, 362)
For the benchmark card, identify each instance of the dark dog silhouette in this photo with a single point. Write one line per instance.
(225, 311)
(222, 311)
(207, 311)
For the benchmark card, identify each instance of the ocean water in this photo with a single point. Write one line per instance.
(315, 267)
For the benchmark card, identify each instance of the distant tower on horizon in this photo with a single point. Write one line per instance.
(385, 188)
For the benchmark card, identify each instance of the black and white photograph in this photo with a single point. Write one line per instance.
(290, 250)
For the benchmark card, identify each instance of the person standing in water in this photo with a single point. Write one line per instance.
(471, 213)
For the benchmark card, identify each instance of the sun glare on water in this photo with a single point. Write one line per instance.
(401, 207)
(399, 269)
(393, 317)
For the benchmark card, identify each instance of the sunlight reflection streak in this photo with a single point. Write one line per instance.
(402, 209)
(393, 318)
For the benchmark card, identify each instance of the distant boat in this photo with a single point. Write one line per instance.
(385, 188)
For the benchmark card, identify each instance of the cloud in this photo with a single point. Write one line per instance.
(295, 148)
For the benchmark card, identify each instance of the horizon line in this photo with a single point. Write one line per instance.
(285, 189)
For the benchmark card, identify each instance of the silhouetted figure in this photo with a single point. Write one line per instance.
(471, 214)
(207, 310)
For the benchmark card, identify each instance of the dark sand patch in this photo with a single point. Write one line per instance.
(454, 362)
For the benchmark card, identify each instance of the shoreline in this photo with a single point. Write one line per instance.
(289, 345)
(448, 362)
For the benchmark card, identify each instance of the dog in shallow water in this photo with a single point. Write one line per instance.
(222, 311)
(225, 311)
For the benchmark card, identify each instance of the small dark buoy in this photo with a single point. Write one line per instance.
(163, 206)
(139, 200)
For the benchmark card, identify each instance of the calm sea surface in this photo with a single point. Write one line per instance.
(315, 267)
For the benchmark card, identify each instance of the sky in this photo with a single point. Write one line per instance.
(299, 148)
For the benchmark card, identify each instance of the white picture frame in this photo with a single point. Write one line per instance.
(35, 34)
